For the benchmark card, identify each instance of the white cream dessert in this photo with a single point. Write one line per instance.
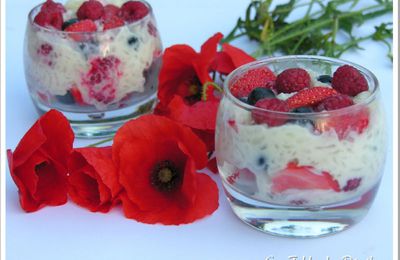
(101, 62)
(303, 159)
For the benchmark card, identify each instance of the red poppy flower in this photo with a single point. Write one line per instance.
(186, 90)
(38, 165)
(93, 181)
(157, 160)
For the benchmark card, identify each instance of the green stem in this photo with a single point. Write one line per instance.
(101, 142)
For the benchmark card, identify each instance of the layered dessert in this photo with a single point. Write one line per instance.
(301, 134)
(88, 56)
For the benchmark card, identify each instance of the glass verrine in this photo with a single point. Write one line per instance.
(98, 79)
(315, 173)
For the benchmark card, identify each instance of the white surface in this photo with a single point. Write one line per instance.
(70, 232)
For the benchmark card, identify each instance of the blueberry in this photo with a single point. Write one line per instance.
(133, 40)
(325, 79)
(262, 162)
(302, 121)
(66, 99)
(69, 22)
(243, 99)
(260, 93)
(89, 48)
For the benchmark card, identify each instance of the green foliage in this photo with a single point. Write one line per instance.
(315, 32)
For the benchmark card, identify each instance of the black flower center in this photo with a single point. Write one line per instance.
(165, 177)
(194, 91)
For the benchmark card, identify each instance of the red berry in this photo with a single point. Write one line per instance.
(45, 49)
(152, 29)
(269, 118)
(309, 97)
(50, 6)
(49, 19)
(260, 77)
(334, 102)
(113, 22)
(132, 11)
(352, 184)
(302, 178)
(82, 26)
(292, 80)
(110, 11)
(343, 124)
(349, 81)
(91, 9)
(102, 78)
(77, 95)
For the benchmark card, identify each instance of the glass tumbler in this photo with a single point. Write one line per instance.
(316, 173)
(99, 80)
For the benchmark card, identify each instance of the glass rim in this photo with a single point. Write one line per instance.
(265, 61)
(52, 30)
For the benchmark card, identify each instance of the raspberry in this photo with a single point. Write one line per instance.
(102, 78)
(50, 6)
(334, 102)
(49, 19)
(91, 9)
(132, 11)
(292, 80)
(349, 81)
(309, 96)
(45, 49)
(110, 11)
(264, 117)
(112, 22)
(352, 184)
(260, 77)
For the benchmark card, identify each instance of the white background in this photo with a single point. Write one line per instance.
(70, 232)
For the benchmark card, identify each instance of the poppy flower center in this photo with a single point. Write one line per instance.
(194, 91)
(166, 177)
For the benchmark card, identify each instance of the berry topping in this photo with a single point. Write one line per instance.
(49, 19)
(132, 11)
(264, 117)
(110, 11)
(50, 6)
(302, 121)
(334, 102)
(352, 184)
(82, 26)
(325, 79)
(292, 80)
(260, 77)
(349, 81)
(309, 97)
(343, 124)
(45, 49)
(112, 22)
(102, 78)
(69, 22)
(259, 93)
(91, 9)
(302, 178)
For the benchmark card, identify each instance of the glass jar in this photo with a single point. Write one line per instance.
(315, 173)
(99, 80)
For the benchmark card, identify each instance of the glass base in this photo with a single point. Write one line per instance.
(103, 124)
(296, 221)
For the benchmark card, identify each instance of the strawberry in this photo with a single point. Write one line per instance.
(76, 94)
(265, 117)
(302, 178)
(112, 22)
(260, 77)
(343, 124)
(81, 26)
(309, 97)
